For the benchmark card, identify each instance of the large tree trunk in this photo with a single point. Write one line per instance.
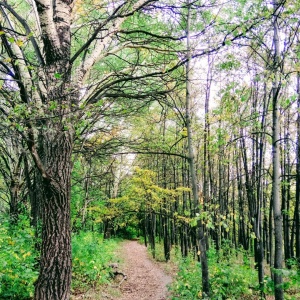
(51, 145)
(55, 264)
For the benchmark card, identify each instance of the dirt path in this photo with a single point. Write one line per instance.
(145, 278)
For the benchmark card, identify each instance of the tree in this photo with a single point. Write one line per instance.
(276, 163)
(200, 238)
(61, 80)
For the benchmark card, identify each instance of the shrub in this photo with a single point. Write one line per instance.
(91, 258)
(17, 260)
(230, 278)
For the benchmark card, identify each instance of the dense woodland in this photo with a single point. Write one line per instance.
(175, 121)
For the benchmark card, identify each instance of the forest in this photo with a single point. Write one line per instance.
(175, 122)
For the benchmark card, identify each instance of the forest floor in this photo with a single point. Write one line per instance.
(145, 278)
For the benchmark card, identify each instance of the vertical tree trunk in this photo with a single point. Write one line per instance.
(54, 278)
(35, 212)
(184, 227)
(14, 187)
(276, 166)
(286, 189)
(296, 223)
(86, 195)
(242, 232)
(152, 231)
(258, 157)
(145, 229)
(194, 182)
(206, 134)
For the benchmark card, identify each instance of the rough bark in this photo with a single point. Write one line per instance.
(55, 263)
(50, 142)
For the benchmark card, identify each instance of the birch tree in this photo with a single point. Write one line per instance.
(276, 163)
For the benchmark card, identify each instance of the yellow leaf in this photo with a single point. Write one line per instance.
(16, 256)
(26, 254)
(19, 43)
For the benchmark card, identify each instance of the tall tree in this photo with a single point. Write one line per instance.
(59, 58)
(297, 203)
(276, 179)
(200, 238)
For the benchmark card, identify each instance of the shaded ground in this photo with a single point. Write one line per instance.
(145, 278)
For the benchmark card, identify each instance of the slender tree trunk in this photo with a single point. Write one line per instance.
(258, 157)
(14, 188)
(242, 232)
(145, 230)
(286, 190)
(206, 134)
(194, 182)
(276, 167)
(296, 223)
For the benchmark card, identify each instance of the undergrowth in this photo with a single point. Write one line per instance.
(91, 257)
(231, 276)
(18, 264)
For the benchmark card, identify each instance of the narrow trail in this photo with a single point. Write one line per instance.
(145, 278)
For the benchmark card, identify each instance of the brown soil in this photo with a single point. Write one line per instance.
(145, 278)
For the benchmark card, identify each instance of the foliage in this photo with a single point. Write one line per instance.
(291, 279)
(229, 277)
(86, 193)
(128, 232)
(141, 194)
(91, 257)
(186, 284)
(18, 264)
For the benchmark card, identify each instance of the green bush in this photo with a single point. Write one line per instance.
(17, 260)
(187, 284)
(230, 278)
(91, 257)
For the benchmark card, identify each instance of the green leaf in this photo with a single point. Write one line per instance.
(194, 222)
